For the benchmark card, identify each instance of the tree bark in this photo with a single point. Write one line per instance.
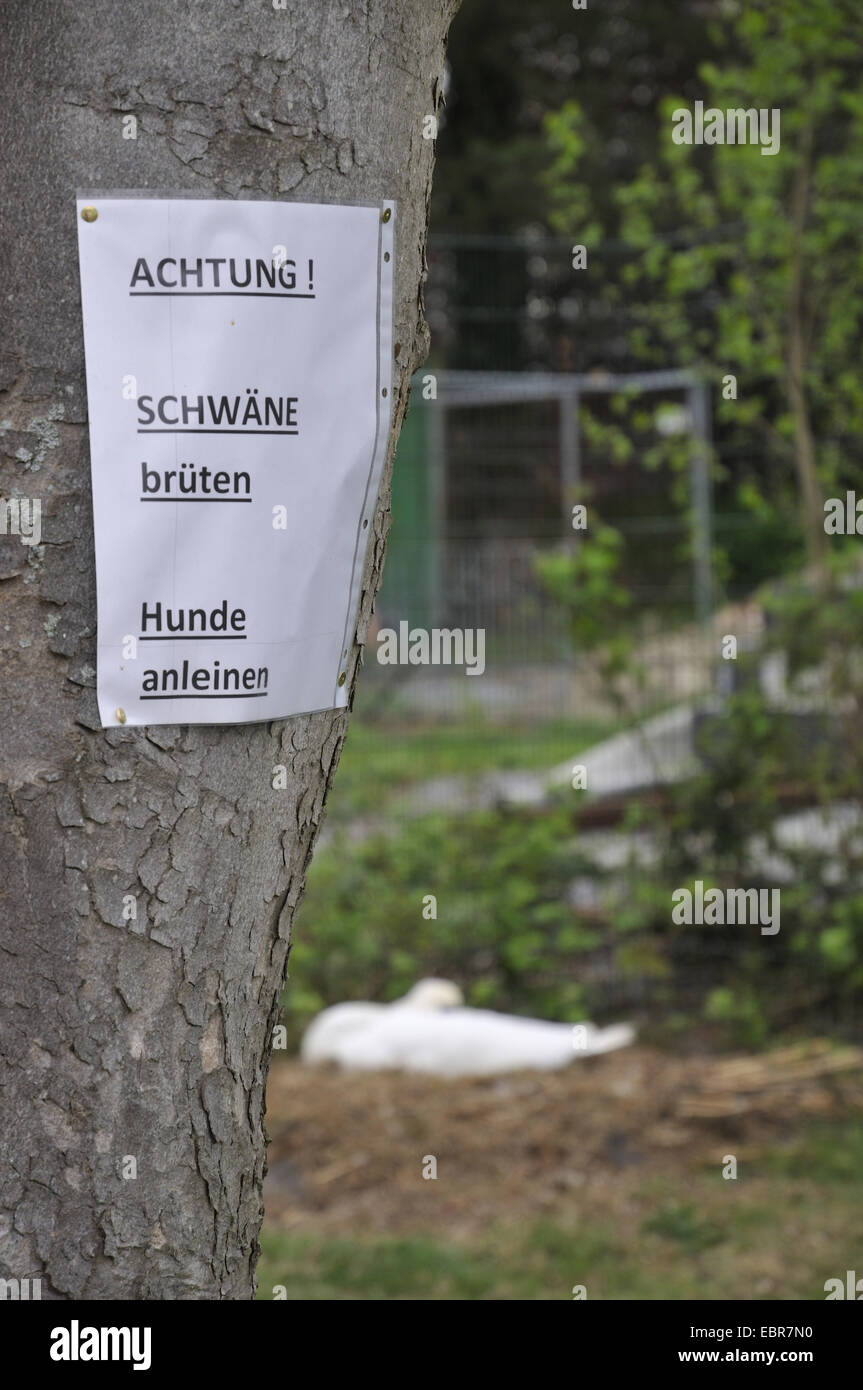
(150, 1039)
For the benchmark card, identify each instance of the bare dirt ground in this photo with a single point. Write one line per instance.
(347, 1151)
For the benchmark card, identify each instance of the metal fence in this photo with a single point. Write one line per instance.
(489, 469)
(494, 453)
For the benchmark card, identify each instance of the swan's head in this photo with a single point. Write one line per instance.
(434, 994)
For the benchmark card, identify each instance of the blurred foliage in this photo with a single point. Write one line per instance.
(765, 749)
(587, 585)
(504, 929)
(526, 921)
(513, 61)
(762, 756)
(510, 63)
(749, 264)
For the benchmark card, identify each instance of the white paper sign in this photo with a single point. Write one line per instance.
(239, 383)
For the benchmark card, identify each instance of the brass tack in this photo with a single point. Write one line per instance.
(89, 214)
(386, 214)
(121, 716)
(342, 678)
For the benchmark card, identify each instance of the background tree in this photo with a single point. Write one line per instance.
(150, 1040)
(749, 264)
(513, 61)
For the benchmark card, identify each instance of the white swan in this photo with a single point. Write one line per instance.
(429, 1031)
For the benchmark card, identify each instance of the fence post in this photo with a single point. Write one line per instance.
(438, 492)
(570, 458)
(698, 401)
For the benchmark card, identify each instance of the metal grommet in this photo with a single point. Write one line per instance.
(386, 255)
(365, 523)
(89, 214)
(384, 391)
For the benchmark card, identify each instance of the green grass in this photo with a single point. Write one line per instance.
(380, 761)
(540, 1262)
(680, 1222)
(836, 1155)
(791, 1221)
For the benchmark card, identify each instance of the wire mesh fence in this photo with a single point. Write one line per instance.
(490, 472)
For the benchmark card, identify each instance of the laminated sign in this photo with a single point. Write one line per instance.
(239, 385)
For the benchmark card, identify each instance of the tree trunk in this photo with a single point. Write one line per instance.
(150, 1040)
(808, 485)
